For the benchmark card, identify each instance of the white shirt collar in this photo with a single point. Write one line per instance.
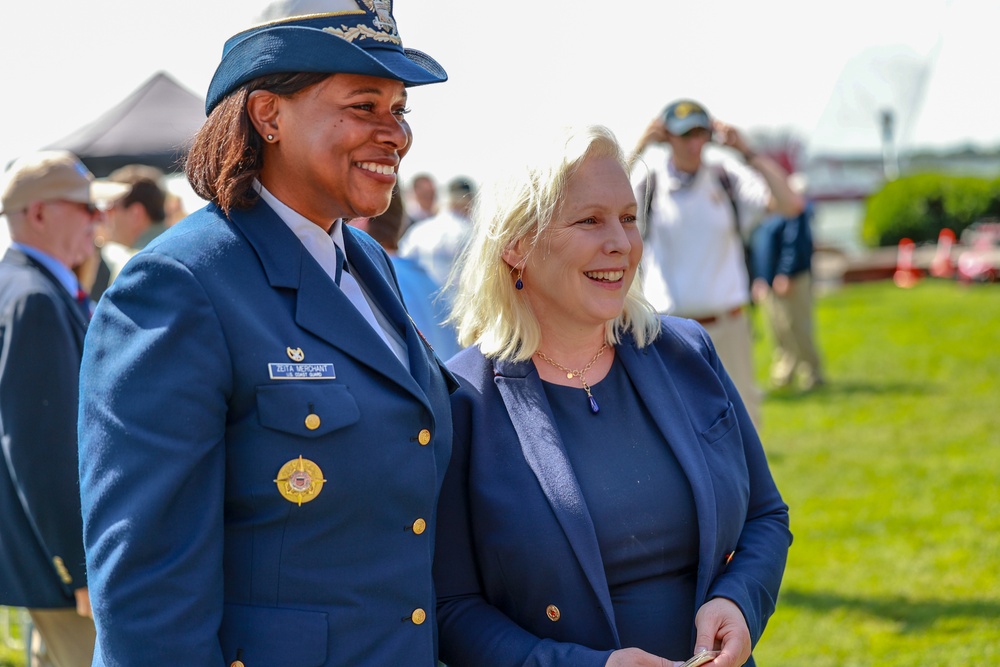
(305, 229)
(63, 274)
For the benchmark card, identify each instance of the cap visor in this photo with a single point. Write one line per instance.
(108, 191)
(286, 49)
(682, 125)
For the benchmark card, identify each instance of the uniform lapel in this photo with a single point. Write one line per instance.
(321, 308)
(524, 398)
(656, 388)
(376, 281)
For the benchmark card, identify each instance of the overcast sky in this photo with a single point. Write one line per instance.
(821, 70)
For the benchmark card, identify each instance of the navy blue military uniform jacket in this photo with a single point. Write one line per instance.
(518, 568)
(191, 411)
(42, 330)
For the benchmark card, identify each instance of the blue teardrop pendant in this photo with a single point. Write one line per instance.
(519, 284)
(593, 404)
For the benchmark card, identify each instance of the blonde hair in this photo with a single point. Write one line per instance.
(488, 310)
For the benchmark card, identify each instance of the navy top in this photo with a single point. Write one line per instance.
(642, 508)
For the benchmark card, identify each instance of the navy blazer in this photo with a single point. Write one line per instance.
(41, 535)
(194, 555)
(515, 535)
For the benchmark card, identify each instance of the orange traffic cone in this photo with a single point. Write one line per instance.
(942, 265)
(906, 274)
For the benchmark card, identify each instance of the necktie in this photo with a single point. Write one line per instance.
(341, 264)
(83, 301)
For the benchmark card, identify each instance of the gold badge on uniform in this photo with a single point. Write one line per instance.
(300, 480)
(295, 354)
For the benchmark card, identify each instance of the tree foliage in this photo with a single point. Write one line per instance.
(918, 207)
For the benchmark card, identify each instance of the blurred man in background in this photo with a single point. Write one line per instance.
(698, 215)
(129, 222)
(423, 198)
(436, 242)
(421, 295)
(782, 250)
(50, 202)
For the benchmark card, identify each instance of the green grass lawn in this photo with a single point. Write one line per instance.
(892, 473)
(892, 476)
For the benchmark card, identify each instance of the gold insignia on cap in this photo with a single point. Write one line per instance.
(295, 353)
(300, 480)
(685, 108)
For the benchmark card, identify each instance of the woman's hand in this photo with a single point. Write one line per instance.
(720, 625)
(634, 657)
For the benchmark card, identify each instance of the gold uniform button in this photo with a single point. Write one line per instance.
(236, 663)
(61, 570)
(419, 526)
(424, 436)
(418, 616)
(312, 422)
(553, 613)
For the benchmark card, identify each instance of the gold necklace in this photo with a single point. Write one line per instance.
(570, 374)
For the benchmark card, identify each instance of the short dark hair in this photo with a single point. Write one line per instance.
(145, 182)
(227, 153)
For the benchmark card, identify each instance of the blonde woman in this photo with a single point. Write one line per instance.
(608, 500)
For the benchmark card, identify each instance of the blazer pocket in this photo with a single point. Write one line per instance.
(723, 425)
(309, 411)
(259, 636)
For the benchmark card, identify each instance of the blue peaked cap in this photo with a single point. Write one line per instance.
(359, 38)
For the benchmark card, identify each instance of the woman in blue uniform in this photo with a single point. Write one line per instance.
(608, 501)
(263, 432)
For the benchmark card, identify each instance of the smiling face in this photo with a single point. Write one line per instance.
(577, 275)
(336, 145)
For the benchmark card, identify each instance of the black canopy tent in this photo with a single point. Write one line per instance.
(154, 126)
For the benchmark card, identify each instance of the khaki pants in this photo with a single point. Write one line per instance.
(61, 638)
(731, 335)
(791, 320)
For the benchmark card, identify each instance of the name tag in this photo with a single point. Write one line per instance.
(301, 371)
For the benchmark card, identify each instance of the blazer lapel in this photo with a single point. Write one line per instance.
(321, 307)
(524, 398)
(81, 321)
(662, 398)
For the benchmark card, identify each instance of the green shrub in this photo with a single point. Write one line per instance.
(918, 207)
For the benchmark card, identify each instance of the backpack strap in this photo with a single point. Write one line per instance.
(647, 205)
(727, 185)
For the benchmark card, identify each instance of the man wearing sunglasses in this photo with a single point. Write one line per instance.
(50, 202)
(698, 214)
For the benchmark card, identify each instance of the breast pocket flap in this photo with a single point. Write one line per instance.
(306, 410)
(723, 425)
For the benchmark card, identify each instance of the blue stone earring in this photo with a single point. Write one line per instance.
(520, 283)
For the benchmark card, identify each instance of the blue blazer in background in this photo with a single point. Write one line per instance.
(41, 539)
(515, 535)
(194, 555)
